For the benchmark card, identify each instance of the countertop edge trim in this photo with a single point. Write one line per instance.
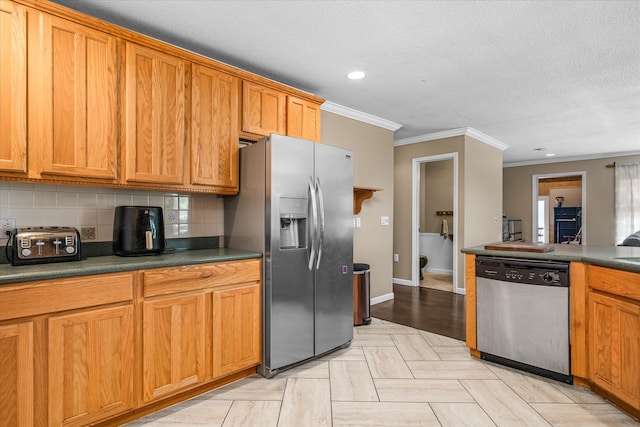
(143, 263)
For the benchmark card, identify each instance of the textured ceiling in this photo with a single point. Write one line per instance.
(559, 75)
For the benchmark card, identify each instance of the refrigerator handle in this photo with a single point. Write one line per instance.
(314, 223)
(321, 222)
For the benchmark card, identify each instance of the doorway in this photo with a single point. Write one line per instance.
(451, 217)
(559, 208)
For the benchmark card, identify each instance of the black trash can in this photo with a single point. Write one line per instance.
(361, 298)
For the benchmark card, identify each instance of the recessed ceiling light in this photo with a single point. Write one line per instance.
(549, 155)
(356, 75)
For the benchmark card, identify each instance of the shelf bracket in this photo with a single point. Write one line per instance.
(360, 194)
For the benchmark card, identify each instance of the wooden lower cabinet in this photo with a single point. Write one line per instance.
(16, 375)
(90, 365)
(237, 336)
(104, 348)
(614, 346)
(613, 324)
(173, 345)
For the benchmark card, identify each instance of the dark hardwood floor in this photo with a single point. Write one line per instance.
(426, 309)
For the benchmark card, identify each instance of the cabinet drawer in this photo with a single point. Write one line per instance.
(165, 281)
(40, 297)
(622, 283)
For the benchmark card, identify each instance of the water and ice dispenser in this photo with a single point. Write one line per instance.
(293, 223)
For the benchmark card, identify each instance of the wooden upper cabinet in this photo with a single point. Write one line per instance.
(303, 119)
(17, 375)
(13, 87)
(74, 100)
(90, 365)
(263, 109)
(154, 116)
(214, 128)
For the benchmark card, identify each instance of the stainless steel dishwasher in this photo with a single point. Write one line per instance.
(522, 308)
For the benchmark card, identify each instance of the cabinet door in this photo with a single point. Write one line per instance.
(614, 345)
(173, 344)
(263, 110)
(90, 365)
(13, 87)
(16, 375)
(237, 337)
(303, 119)
(155, 116)
(77, 99)
(214, 138)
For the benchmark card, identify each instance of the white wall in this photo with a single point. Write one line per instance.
(439, 251)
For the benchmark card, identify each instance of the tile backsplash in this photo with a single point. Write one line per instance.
(185, 215)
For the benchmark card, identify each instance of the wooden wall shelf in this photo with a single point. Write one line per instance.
(360, 194)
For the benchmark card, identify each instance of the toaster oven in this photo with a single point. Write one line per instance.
(38, 245)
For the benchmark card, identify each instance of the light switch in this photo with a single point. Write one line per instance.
(384, 220)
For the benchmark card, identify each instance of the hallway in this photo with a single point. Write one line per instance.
(431, 310)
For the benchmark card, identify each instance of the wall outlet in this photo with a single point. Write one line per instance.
(396, 258)
(384, 220)
(87, 233)
(358, 223)
(6, 225)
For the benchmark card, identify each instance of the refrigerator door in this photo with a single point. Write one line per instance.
(289, 304)
(334, 272)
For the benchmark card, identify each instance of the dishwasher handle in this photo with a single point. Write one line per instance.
(522, 263)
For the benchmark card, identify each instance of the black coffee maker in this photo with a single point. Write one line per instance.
(138, 230)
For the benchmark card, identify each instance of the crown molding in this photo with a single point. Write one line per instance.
(430, 137)
(489, 140)
(473, 133)
(360, 116)
(570, 159)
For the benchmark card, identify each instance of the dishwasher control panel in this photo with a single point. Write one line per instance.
(526, 271)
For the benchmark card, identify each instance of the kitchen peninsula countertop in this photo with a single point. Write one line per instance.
(618, 257)
(112, 264)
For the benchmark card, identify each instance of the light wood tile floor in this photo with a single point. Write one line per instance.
(394, 375)
(439, 281)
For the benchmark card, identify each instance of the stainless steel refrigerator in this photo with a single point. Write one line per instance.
(295, 205)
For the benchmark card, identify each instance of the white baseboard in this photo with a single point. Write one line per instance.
(438, 270)
(381, 298)
(402, 282)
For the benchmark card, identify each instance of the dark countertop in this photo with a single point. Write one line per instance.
(618, 257)
(112, 264)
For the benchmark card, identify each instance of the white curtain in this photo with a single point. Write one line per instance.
(627, 196)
